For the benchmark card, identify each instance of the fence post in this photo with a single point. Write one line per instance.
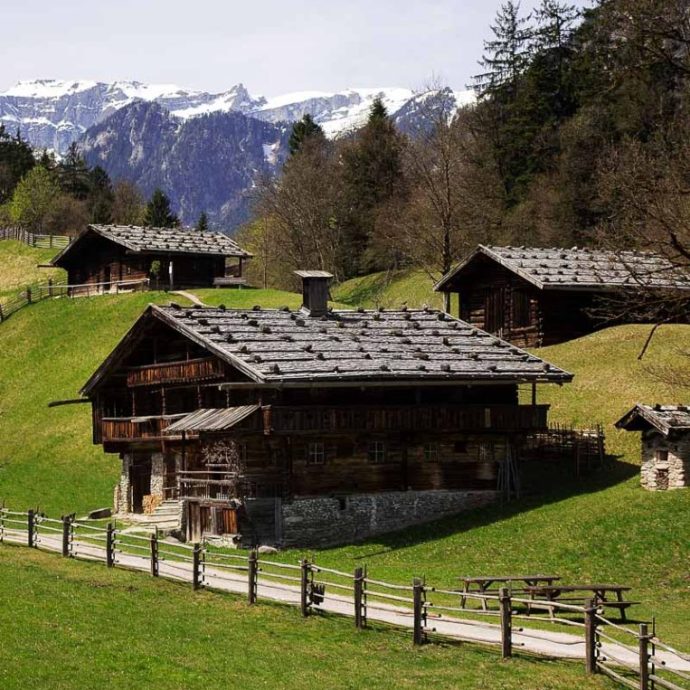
(1, 314)
(28, 295)
(154, 554)
(506, 623)
(590, 636)
(66, 530)
(252, 576)
(418, 611)
(644, 657)
(304, 586)
(110, 545)
(196, 567)
(31, 523)
(50, 287)
(359, 586)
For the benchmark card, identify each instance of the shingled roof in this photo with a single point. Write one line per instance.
(282, 347)
(667, 419)
(576, 268)
(143, 240)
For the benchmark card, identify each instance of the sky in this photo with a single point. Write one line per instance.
(272, 46)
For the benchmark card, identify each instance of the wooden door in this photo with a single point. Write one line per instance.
(494, 311)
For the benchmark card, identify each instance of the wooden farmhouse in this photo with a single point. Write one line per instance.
(665, 444)
(115, 256)
(312, 426)
(534, 297)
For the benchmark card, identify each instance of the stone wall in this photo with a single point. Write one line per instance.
(674, 471)
(123, 494)
(329, 521)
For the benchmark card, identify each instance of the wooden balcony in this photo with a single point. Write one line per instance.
(430, 418)
(125, 429)
(202, 369)
(224, 485)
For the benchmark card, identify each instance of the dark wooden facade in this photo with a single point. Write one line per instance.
(291, 439)
(535, 297)
(102, 258)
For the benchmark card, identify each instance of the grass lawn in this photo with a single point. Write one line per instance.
(19, 266)
(78, 625)
(246, 298)
(391, 289)
(601, 528)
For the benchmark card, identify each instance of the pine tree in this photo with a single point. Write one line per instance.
(507, 55)
(158, 212)
(73, 174)
(202, 223)
(100, 199)
(373, 175)
(16, 160)
(302, 130)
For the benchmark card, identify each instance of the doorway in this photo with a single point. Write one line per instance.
(140, 478)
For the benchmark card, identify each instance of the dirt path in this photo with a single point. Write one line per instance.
(543, 642)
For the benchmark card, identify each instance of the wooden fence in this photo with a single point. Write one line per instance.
(40, 291)
(35, 240)
(586, 446)
(632, 657)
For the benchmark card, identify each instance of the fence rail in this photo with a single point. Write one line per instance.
(37, 292)
(34, 239)
(639, 661)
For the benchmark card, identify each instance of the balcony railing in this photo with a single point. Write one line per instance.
(136, 428)
(172, 372)
(441, 418)
(217, 484)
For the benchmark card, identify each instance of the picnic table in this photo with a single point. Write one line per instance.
(603, 595)
(482, 585)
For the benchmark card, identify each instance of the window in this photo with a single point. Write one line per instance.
(377, 452)
(316, 453)
(521, 308)
(486, 452)
(431, 452)
(661, 456)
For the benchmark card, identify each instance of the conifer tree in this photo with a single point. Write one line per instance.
(373, 175)
(73, 174)
(507, 54)
(101, 196)
(301, 130)
(202, 223)
(16, 160)
(159, 213)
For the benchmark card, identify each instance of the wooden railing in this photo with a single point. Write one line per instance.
(35, 240)
(450, 418)
(171, 372)
(217, 484)
(136, 428)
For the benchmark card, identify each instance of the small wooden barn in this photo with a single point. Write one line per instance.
(312, 426)
(536, 296)
(110, 256)
(665, 444)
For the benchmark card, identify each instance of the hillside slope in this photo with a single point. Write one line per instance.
(19, 266)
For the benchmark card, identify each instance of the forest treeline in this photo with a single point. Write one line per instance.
(61, 197)
(579, 136)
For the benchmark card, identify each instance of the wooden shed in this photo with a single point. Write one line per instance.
(665, 461)
(313, 426)
(537, 296)
(117, 255)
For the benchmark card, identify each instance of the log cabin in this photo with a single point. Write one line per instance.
(115, 256)
(314, 426)
(534, 297)
(665, 444)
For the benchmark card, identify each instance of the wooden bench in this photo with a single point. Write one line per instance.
(229, 281)
(483, 585)
(601, 595)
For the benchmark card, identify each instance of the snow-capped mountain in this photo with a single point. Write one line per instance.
(52, 113)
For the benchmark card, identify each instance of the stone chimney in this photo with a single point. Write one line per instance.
(315, 291)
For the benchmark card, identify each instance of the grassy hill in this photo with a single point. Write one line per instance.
(389, 289)
(600, 528)
(19, 266)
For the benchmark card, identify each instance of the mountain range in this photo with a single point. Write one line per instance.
(204, 149)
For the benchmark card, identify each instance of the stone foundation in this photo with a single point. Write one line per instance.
(329, 521)
(665, 462)
(122, 499)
